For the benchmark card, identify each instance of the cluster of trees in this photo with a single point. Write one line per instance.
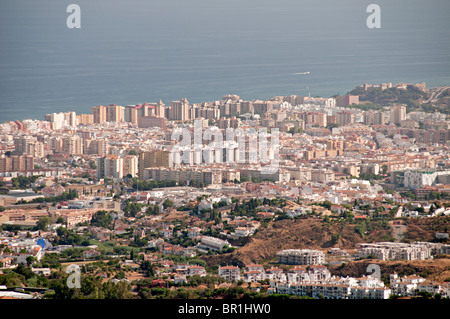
(65, 236)
(152, 210)
(139, 242)
(132, 208)
(23, 181)
(146, 291)
(151, 184)
(294, 130)
(65, 196)
(437, 195)
(379, 228)
(410, 96)
(183, 241)
(167, 203)
(430, 196)
(248, 208)
(22, 276)
(92, 287)
(102, 219)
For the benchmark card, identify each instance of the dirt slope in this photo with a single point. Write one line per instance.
(286, 234)
(435, 269)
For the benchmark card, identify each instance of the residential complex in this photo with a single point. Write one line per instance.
(301, 257)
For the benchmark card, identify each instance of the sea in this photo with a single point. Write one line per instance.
(135, 51)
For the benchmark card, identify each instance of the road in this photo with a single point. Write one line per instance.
(436, 93)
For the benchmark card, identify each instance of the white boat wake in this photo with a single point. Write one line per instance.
(297, 73)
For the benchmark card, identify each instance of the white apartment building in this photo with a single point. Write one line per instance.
(212, 243)
(196, 270)
(301, 257)
(418, 179)
(398, 251)
(230, 273)
(253, 275)
(335, 288)
(404, 286)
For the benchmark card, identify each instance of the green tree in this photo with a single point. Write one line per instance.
(102, 219)
(43, 223)
(167, 203)
(30, 260)
(327, 204)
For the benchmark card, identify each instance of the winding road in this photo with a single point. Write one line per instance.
(436, 93)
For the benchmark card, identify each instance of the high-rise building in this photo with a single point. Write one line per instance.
(115, 113)
(108, 113)
(369, 117)
(72, 145)
(16, 163)
(314, 118)
(134, 112)
(160, 109)
(154, 158)
(180, 110)
(293, 99)
(347, 100)
(151, 121)
(95, 147)
(130, 165)
(86, 119)
(206, 112)
(345, 117)
(61, 120)
(24, 145)
(246, 107)
(260, 107)
(99, 114)
(398, 114)
(110, 166)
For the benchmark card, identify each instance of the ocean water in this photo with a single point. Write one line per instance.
(129, 52)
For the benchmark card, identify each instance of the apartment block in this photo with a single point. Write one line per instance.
(154, 158)
(180, 110)
(301, 257)
(344, 118)
(110, 166)
(230, 273)
(16, 163)
(400, 251)
(108, 113)
(212, 243)
(347, 100)
(398, 114)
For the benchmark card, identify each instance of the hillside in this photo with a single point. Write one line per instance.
(412, 96)
(425, 229)
(297, 234)
(435, 269)
(314, 233)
